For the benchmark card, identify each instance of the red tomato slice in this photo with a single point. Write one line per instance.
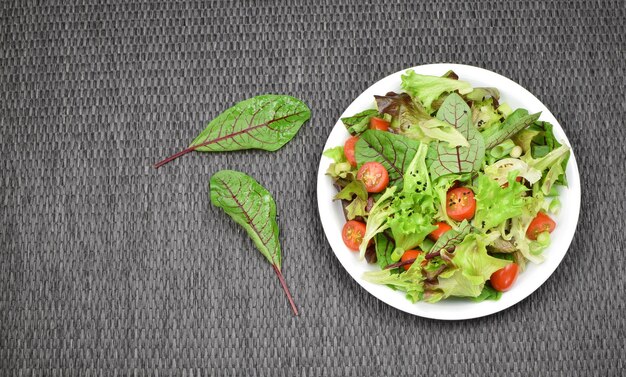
(348, 149)
(353, 233)
(408, 255)
(541, 223)
(374, 176)
(379, 124)
(503, 279)
(441, 229)
(460, 204)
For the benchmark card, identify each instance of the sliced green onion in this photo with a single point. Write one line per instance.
(502, 149)
(536, 248)
(516, 152)
(544, 238)
(555, 206)
(397, 254)
(553, 191)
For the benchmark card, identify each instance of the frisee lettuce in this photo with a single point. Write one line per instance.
(496, 204)
(414, 207)
(340, 168)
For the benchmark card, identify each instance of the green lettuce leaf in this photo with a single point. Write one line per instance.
(500, 170)
(356, 193)
(519, 224)
(524, 138)
(471, 268)
(483, 94)
(360, 122)
(545, 141)
(488, 293)
(411, 221)
(555, 163)
(384, 249)
(356, 208)
(555, 174)
(377, 218)
(429, 88)
(494, 203)
(336, 154)
(354, 188)
(414, 209)
(485, 115)
(410, 281)
(537, 141)
(341, 168)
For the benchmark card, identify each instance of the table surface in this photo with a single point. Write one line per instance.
(109, 267)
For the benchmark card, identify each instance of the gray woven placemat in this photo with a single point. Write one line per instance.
(108, 267)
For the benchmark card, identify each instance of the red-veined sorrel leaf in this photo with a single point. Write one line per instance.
(252, 207)
(458, 160)
(263, 122)
(394, 152)
(451, 238)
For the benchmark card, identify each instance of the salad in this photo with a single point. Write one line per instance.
(447, 190)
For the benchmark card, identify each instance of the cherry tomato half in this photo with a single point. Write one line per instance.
(460, 204)
(353, 233)
(441, 229)
(379, 124)
(348, 149)
(374, 176)
(408, 255)
(541, 223)
(503, 279)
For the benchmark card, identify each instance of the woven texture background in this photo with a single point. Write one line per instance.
(109, 267)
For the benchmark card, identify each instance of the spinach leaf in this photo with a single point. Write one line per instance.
(394, 152)
(264, 122)
(514, 123)
(459, 159)
(360, 122)
(252, 207)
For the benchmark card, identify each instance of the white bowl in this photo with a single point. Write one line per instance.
(452, 309)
